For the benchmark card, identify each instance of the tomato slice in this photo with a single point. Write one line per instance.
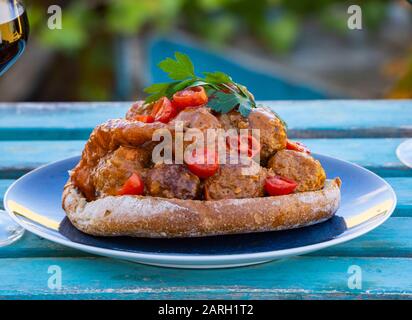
(203, 164)
(279, 186)
(144, 118)
(133, 186)
(163, 110)
(251, 146)
(190, 97)
(297, 146)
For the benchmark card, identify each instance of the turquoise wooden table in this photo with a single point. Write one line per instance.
(365, 132)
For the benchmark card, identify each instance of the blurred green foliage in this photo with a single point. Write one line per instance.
(276, 23)
(403, 72)
(91, 27)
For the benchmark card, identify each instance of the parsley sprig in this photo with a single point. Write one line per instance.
(224, 94)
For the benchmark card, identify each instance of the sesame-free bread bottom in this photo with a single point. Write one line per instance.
(141, 216)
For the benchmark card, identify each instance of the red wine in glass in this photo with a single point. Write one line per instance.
(14, 31)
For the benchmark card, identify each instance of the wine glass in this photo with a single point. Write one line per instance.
(14, 31)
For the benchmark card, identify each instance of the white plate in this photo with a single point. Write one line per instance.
(34, 201)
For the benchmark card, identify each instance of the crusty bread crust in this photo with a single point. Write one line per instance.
(152, 217)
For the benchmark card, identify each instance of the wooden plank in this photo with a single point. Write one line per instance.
(50, 134)
(344, 114)
(20, 156)
(306, 119)
(320, 133)
(32, 246)
(299, 114)
(359, 150)
(403, 189)
(392, 239)
(377, 155)
(324, 278)
(59, 115)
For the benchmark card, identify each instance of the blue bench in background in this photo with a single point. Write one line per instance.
(264, 85)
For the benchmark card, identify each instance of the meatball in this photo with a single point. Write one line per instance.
(299, 166)
(172, 181)
(230, 182)
(272, 131)
(199, 118)
(195, 118)
(233, 120)
(114, 169)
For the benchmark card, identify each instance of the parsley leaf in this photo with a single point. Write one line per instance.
(154, 97)
(180, 69)
(245, 106)
(184, 84)
(223, 102)
(157, 87)
(225, 95)
(158, 90)
(217, 77)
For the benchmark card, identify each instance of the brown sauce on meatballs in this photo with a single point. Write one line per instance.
(121, 147)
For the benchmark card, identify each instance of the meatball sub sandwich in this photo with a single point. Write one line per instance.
(238, 173)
